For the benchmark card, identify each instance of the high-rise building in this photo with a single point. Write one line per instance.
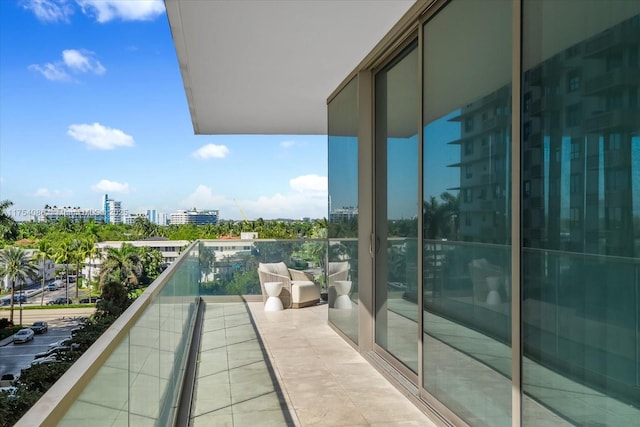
(105, 207)
(116, 215)
(162, 218)
(152, 216)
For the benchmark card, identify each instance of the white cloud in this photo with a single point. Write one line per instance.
(108, 10)
(287, 144)
(106, 186)
(82, 61)
(74, 61)
(46, 193)
(211, 151)
(102, 10)
(54, 72)
(309, 183)
(49, 10)
(292, 205)
(100, 137)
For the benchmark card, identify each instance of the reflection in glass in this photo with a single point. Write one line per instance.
(342, 251)
(466, 210)
(580, 216)
(396, 328)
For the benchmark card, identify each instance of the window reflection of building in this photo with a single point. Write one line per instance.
(483, 172)
(599, 119)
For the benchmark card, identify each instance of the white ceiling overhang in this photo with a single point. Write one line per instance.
(268, 66)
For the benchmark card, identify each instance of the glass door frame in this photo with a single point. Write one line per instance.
(397, 54)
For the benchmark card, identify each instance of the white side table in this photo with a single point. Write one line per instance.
(273, 303)
(493, 283)
(343, 287)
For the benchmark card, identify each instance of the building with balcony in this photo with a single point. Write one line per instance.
(491, 149)
(113, 213)
(170, 250)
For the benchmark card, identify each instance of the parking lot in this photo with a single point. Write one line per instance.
(15, 357)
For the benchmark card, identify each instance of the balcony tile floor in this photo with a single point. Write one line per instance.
(301, 373)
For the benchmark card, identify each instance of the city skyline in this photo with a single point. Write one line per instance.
(93, 102)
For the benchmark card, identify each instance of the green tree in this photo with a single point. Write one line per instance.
(114, 296)
(122, 264)
(77, 256)
(91, 253)
(45, 252)
(17, 266)
(143, 228)
(207, 259)
(8, 226)
(152, 264)
(441, 219)
(64, 255)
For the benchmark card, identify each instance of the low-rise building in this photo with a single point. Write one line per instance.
(195, 217)
(170, 250)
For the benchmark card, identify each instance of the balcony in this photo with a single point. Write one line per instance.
(178, 357)
(610, 80)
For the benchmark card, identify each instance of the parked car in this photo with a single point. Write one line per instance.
(23, 335)
(17, 298)
(53, 286)
(48, 359)
(54, 350)
(39, 327)
(61, 343)
(90, 300)
(60, 300)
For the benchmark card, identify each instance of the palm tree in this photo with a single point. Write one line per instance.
(17, 266)
(45, 252)
(124, 264)
(152, 264)
(77, 255)
(91, 253)
(8, 226)
(63, 255)
(144, 228)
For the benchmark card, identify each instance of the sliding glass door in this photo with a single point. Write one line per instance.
(396, 208)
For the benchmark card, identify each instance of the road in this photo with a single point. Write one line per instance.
(15, 357)
(34, 295)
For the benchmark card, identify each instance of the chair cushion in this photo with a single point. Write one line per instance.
(279, 268)
(303, 291)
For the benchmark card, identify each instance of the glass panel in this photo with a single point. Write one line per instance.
(581, 212)
(140, 381)
(342, 267)
(466, 210)
(396, 208)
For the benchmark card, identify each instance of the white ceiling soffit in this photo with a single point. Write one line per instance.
(268, 66)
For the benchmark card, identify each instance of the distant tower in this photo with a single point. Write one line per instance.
(105, 206)
(152, 216)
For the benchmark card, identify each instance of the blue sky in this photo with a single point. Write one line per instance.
(92, 102)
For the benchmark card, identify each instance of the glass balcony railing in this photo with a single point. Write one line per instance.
(133, 374)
